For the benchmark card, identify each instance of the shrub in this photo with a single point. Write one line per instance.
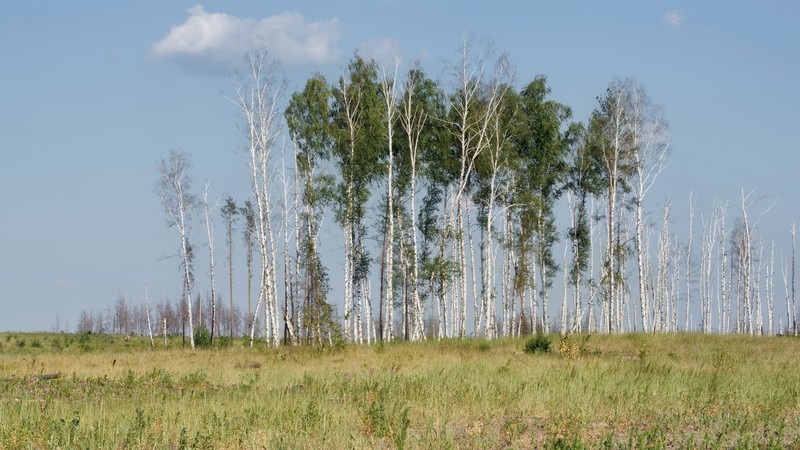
(202, 337)
(222, 341)
(36, 343)
(538, 343)
(84, 341)
(569, 348)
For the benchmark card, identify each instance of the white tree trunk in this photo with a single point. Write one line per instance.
(793, 316)
(147, 311)
(258, 102)
(389, 95)
(689, 263)
(210, 231)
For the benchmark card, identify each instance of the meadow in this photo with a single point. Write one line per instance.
(598, 391)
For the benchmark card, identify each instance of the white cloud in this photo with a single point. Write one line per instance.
(383, 51)
(673, 19)
(214, 42)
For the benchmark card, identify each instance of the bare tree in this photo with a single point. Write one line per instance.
(661, 288)
(248, 213)
(174, 189)
(689, 261)
(229, 213)
(210, 231)
(650, 133)
(792, 322)
(473, 106)
(147, 310)
(771, 290)
(258, 100)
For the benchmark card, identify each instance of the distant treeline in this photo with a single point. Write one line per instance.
(125, 317)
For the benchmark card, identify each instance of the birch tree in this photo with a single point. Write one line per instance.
(612, 138)
(661, 292)
(792, 320)
(770, 290)
(309, 120)
(258, 98)
(419, 122)
(390, 114)
(583, 182)
(248, 232)
(689, 261)
(708, 241)
(357, 152)
(491, 173)
(210, 233)
(472, 105)
(230, 214)
(174, 190)
(650, 142)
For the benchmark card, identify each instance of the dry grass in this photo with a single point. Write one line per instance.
(629, 391)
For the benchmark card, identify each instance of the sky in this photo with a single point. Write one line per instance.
(93, 93)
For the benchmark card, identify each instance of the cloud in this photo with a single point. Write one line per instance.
(673, 19)
(215, 42)
(383, 51)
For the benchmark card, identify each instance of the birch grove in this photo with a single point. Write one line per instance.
(479, 187)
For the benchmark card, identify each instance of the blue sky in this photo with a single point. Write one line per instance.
(92, 93)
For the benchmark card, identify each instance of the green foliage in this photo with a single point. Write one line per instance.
(542, 166)
(309, 119)
(562, 443)
(537, 343)
(202, 337)
(84, 341)
(230, 214)
(402, 434)
(358, 138)
(383, 417)
(222, 341)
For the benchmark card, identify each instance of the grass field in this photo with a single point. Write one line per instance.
(628, 391)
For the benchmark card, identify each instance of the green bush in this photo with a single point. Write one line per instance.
(538, 343)
(202, 337)
(84, 341)
(222, 341)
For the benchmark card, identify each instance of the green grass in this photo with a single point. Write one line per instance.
(628, 391)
